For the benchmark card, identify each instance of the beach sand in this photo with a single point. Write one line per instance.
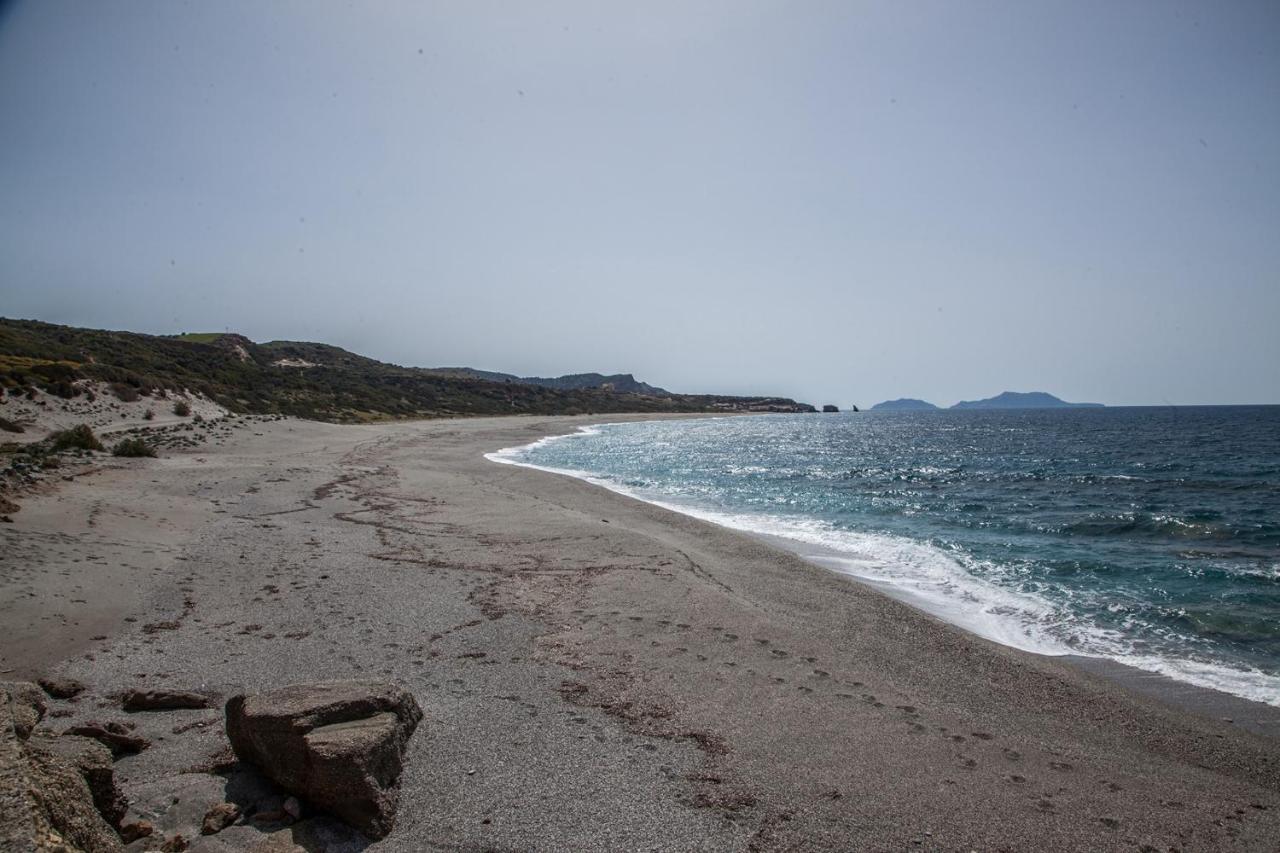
(596, 673)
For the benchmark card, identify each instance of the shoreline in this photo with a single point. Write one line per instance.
(1251, 714)
(596, 672)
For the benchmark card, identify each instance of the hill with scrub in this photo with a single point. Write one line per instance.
(314, 380)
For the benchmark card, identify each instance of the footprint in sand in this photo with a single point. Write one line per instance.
(779, 653)
(982, 735)
(731, 637)
(821, 673)
(1060, 766)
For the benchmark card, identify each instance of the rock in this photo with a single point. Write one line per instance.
(218, 818)
(164, 700)
(26, 705)
(132, 831)
(113, 736)
(292, 807)
(45, 802)
(339, 745)
(62, 688)
(93, 761)
(64, 796)
(176, 844)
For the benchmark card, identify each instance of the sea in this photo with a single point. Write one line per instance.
(1150, 536)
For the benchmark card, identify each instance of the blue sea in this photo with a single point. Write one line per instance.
(1150, 536)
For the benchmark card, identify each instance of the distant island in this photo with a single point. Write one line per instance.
(904, 404)
(1024, 400)
(1006, 400)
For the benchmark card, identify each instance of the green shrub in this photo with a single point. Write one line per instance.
(124, 393)
(181, 409)
(79, 437)
(133, 447)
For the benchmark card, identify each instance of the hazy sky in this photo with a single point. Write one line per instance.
(840, 202)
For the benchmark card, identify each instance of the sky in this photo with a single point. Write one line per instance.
(838, 202)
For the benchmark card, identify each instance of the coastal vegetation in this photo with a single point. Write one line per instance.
(133, 447)
(312, 380)
(78, 437)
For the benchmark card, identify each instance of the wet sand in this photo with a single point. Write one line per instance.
(596, 672)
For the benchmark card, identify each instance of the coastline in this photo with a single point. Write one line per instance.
(1247, 712)
(598, 672)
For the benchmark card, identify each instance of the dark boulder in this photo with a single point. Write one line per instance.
(339, 745)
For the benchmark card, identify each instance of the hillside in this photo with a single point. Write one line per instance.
(302, 379)
(1023, 400)
(622, 383)
(904, 404)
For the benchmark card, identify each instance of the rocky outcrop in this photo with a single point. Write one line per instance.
(338, 745)
(47, 800)
(93, 762)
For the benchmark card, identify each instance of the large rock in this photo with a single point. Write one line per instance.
(45, 799)
(94, 763)
(339, 745)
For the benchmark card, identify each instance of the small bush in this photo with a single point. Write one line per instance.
(148, 415)
(133, 447)
(181, 409)
(9, 426)
(77, 438)
(124, 393)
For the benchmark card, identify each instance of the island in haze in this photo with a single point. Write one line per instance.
(1004, 400)
(1023, 400)
(904, 404)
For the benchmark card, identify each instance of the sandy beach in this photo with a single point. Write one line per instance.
(596, 673)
